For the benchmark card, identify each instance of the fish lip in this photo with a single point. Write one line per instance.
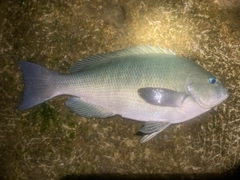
(223, 98)
(224, 94)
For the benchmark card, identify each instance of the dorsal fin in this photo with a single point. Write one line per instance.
(96, 60)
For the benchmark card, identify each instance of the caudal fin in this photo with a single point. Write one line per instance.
(38, 84)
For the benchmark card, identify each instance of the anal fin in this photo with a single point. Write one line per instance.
(86, 109)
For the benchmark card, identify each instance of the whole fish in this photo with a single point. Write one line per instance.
(145, 83)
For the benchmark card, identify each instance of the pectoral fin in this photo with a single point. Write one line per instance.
(162, 96)
(152, 128)
(86, 109)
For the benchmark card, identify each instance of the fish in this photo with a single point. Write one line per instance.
(149, 84)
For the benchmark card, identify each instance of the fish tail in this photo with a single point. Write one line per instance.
(38, 84)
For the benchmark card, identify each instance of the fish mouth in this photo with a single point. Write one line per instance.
(223, 98)
(224, 94)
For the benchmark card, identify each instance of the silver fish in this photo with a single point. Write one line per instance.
(145, 83)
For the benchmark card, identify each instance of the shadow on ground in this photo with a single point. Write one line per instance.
(229, 175)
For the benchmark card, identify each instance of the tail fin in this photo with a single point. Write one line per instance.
(38, 84)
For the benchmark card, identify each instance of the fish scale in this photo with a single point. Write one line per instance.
(148, 84)
(100, 83)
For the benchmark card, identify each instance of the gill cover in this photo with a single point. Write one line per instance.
(206, 90)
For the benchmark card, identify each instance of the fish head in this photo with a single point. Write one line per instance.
(206, 89)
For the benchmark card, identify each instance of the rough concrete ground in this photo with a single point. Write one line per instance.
(50, 142)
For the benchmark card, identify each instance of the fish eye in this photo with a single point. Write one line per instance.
(212, 80)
